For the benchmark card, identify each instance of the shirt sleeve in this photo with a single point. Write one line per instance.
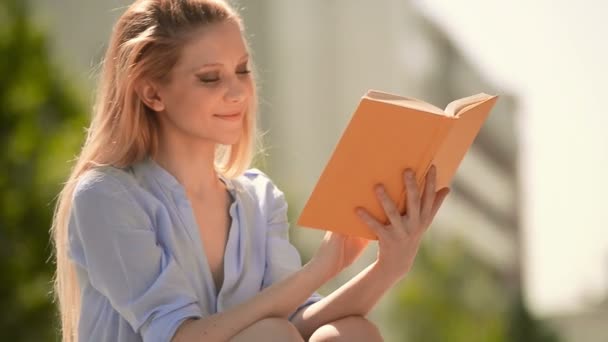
(112, 237)
(282, 258)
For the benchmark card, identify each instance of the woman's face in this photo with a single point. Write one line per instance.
(210, 88)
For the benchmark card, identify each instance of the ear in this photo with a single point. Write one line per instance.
(148, 93)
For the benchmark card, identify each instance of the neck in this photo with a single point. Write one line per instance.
(191, 162)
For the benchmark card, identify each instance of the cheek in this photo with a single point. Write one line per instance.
(250, 89)
(191, 108)
(193, 105)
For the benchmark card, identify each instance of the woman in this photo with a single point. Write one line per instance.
(161, 234)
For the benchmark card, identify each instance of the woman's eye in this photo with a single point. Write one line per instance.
(209, 78)
(214, 77)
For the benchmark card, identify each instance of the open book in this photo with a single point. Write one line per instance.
(386, 135)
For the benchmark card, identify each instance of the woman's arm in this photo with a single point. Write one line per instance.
(398, 244)
(278, 300)
(109, 227)
(286, 284)
(357, 297)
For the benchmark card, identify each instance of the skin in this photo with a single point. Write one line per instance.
(211, 80)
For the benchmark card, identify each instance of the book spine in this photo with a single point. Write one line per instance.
(425, 163)
(440, 135)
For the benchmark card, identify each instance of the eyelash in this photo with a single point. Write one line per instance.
(214, 80)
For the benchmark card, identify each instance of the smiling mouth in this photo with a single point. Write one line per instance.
(230, 117)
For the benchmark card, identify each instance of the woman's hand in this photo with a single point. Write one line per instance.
(336, 252)
(398, 241)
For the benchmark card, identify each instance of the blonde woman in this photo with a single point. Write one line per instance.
(163, 234)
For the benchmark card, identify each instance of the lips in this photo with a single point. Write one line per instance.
(230, 116)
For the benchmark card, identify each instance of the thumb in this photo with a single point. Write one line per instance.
(333, 238)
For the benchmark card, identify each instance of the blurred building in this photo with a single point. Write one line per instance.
(590, 325)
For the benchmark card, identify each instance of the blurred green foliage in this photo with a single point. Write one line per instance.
(451, 295)
(40, 130)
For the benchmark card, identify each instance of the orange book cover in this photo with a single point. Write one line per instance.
(386, 135)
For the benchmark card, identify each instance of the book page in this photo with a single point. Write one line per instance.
(459, 140)
(458, 106)
(403, 101)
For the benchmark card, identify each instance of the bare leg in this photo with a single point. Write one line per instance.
(351, 328)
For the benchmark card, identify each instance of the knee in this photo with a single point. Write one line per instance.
(278, 329)
(351, 328)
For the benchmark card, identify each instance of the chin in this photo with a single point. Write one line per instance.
(228, 139)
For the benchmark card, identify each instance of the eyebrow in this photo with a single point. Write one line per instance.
(207, 65)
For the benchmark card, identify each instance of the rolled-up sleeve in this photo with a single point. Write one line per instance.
(282, 257)
(113, 239)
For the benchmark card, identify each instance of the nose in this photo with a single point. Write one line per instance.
(237, 91)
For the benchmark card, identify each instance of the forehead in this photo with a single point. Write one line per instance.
(221, 43)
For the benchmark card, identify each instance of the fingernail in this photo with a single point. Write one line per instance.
(379, 189)
(359, 211)
(409, 173)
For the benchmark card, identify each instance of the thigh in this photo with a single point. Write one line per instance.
(351, 328)
(269, 329)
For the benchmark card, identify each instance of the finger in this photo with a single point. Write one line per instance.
(363, 242)
(335, 236)
(357, 245)
(439, 197)
(358, 241)
(413, 195)
(428, 196)
(390, 208)
(327, 238)
(372, 223)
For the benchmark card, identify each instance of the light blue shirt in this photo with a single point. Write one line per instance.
(140, 262)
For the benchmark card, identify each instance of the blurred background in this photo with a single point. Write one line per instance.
(519, 250)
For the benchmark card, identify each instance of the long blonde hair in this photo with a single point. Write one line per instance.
(146, 42)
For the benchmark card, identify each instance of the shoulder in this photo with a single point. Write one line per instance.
(105, 181)
(258, 184)
(109, 191)
(257, 188)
